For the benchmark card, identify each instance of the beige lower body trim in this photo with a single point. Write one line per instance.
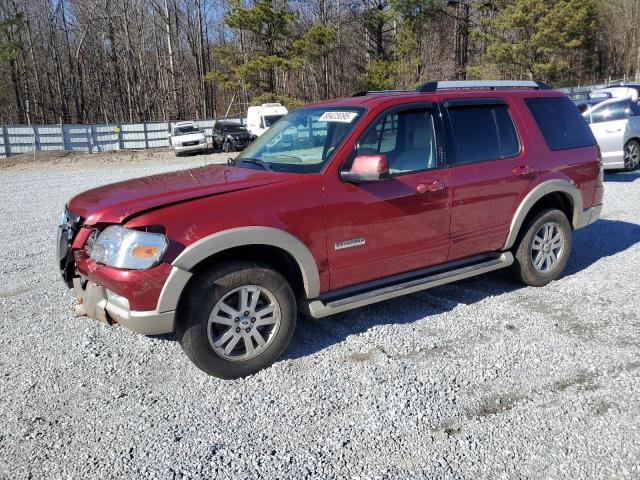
(588, 216)
(94, 302)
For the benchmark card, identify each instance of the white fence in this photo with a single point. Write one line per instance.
(16, 139)
(597, 86)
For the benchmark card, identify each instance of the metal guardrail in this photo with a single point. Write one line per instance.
(16, 139)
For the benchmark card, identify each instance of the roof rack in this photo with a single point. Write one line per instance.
(461, 84)
(364, 93)
(490, 84)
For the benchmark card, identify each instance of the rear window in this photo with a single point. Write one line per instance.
(560, 123)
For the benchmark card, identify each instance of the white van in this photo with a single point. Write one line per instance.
(187, 137)
(261, 117)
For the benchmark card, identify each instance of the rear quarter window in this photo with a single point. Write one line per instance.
(560, 122)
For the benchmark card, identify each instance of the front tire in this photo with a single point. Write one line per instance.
(236, 319)
(543, 249)
(226, 147)
(631, 155)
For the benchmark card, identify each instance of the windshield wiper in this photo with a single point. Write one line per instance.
(254, 161)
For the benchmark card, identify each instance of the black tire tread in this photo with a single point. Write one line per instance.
(522, 267)
(204, 290)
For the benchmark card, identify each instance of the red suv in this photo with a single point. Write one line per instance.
(340, 204)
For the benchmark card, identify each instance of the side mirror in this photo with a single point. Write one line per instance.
(367, 168)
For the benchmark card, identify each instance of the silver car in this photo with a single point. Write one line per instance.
(616, 126)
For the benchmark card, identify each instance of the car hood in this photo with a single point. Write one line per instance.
(117, 202)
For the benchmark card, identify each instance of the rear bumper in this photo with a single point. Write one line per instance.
(588, 216)
(97, 302)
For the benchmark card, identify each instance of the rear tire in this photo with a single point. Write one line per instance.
(543, 248)
(236, 319)
(632, 155)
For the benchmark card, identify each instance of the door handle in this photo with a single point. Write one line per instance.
(523, 170)
(614, 131)
(435, 186)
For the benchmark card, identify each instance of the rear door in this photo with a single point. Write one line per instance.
(489, 172)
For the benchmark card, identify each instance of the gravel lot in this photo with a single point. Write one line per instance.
(479, 379)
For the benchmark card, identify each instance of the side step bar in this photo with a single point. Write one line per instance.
(318, 309)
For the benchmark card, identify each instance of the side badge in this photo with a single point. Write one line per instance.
(354, 242)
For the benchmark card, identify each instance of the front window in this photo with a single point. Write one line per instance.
(303, 141)
(186, 130)
(609, 111)
(269, 120)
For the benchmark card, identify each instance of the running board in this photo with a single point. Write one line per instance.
(318, 309)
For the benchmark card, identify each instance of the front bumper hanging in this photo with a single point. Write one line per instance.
(97, 302)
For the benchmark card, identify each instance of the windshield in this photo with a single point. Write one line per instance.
(269, 120)
(229, 128)
(186, 130)
(303, 141)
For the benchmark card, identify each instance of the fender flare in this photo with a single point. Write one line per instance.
(566, 187)
(237, 237)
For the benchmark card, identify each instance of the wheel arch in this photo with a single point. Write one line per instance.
(272, 246)
(556, 193)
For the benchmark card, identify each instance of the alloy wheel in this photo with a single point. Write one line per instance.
(547, 247)
(244, 322)
(631, 156)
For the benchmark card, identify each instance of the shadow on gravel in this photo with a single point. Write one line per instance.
(601, 239)
(622, 177)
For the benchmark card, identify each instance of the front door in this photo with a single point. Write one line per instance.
(381, 228)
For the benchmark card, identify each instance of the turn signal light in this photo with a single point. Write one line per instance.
(144, 251)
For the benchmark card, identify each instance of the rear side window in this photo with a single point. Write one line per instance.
(634, 109)
(483, 133)
(560, 122)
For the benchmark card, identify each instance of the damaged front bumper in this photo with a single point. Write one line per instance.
(97, 302)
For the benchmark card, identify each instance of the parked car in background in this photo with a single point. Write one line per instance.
(584, 102)
(365, 199)
(616, 125)
(187, 137)
(261, 117)
(231, 136)
(622, 90)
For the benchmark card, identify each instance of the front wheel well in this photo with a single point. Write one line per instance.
(274, 257)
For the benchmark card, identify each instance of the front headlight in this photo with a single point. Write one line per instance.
(122, 247)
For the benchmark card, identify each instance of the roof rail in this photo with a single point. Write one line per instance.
(364, 93)
(490, 84)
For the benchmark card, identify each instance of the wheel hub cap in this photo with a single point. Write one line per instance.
(244, 322)
(547, 247)
(631, 156)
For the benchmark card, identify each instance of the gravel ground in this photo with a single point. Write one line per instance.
(479, 379)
